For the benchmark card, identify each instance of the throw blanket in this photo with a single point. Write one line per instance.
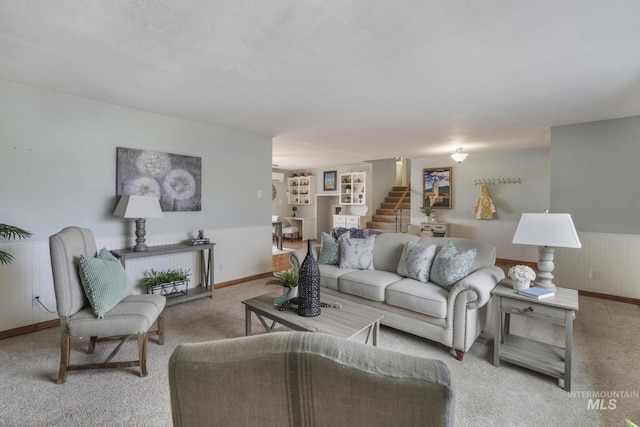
(354, 233)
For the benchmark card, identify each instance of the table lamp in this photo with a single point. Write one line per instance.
(547, 231)
(140, 208)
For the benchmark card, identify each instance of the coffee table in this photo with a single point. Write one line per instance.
(345, 322)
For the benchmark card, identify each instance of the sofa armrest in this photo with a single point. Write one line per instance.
(467, 306)
(481, 282)
(296, 257)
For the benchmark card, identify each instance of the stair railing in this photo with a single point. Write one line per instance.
(398, 208)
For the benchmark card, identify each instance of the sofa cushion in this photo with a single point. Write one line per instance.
(369, 284)
(426, 298)
(356, 253)
(449, 266)
(104, 280)
(329, 275)
(415, 261)
(329, 250)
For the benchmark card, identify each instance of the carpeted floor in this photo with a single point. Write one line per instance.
(606, 359)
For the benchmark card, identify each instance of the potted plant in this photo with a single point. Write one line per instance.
(153, 282)
(288, 279)
(180, 279)
(166, 282)
(427, 211)
(11, 232)
(294, 209)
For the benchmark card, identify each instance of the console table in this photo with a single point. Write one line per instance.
(541, 357)
(205, 289)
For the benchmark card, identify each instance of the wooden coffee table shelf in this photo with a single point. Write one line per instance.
(345, 322)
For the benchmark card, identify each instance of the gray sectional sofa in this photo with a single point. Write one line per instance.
(454, 316)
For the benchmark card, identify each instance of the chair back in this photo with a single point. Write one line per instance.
(305, 379)
(65, 249)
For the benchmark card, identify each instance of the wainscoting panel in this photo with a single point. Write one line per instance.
(239, 252)
(613, 259)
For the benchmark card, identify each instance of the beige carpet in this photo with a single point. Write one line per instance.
(606, 360)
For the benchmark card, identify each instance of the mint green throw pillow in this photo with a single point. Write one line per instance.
(104, 280)
(449, 266)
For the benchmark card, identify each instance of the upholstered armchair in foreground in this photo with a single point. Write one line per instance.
(305, 379)
(109, 316)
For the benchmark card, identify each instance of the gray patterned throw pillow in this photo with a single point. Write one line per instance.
(329, 251)
(449, 266)
(356, 253)
(415, 261)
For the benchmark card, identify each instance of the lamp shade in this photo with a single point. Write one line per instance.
(547, 229)
(138, 207)
(459, 156)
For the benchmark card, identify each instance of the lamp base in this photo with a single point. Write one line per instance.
(140, 233)
(545, 268)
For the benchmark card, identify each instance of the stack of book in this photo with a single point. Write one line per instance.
(537, 293)
(194, 242)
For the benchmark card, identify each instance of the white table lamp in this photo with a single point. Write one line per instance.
(547, 231)
(140, 208)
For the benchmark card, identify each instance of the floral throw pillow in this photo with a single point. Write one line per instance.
(415, 261)
(449, 266)
(329, 251)
(356, 253)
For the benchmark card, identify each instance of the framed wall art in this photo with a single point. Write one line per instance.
(437, 184)
(175, 179)
(330, 179)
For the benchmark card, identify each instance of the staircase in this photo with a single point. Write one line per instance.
(385, 218)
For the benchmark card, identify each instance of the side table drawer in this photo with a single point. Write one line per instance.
(534, 309)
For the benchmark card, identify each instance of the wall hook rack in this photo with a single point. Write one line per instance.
(494, 181)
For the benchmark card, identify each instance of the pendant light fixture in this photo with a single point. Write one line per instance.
(459, 156)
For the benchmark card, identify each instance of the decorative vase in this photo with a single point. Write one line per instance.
(289, 293)
(309, 286)
(518, 285)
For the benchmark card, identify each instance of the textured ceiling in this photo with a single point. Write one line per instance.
(340, 81)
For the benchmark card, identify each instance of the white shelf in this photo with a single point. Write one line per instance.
(353, 188)
(301, 190)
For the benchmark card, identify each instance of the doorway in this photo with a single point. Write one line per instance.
(325, 204)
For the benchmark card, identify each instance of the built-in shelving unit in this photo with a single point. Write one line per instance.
(301, 190)
(353, 187)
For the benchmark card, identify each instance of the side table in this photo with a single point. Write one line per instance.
(538, 356)
(206, 266)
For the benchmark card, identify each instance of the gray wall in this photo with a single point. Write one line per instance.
(595, 170)
(58, 164)
(531, 195)
(383, 179)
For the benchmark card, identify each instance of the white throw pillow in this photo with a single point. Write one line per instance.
(356, 253)
(415, 261)
(449, 266)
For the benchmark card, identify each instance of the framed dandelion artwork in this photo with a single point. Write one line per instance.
(175, 179)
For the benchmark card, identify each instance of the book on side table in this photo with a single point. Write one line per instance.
(536, 293)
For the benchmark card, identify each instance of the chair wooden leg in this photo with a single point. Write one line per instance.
(92, 345)
(161, 328)
(65, 352)
(142, 353)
